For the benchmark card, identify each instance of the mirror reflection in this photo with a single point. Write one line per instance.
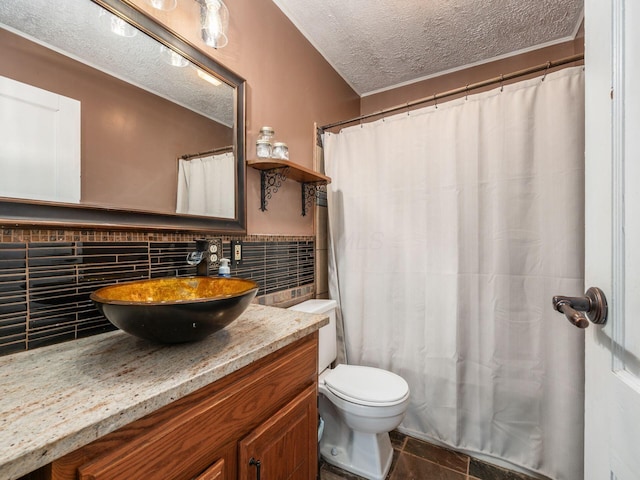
(97, 113)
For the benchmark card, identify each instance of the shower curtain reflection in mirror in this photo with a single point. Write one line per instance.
(206, 186)
(450, 231)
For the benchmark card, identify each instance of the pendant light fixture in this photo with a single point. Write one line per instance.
(166, 5)
(214, 19)
(117, 25)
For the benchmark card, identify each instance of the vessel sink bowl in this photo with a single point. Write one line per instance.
(175, 310)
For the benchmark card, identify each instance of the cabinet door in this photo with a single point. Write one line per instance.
(285, 445)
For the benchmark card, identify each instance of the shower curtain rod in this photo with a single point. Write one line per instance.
(228, 148)
(466, 89)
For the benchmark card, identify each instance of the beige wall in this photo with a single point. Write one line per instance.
(442, 83)
(289, 87)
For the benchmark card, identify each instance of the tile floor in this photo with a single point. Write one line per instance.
(415, 459)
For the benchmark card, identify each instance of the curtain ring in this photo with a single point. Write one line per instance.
(408, 111)
(466, 92)
(546, 71)
(501, 84)
(435, 100)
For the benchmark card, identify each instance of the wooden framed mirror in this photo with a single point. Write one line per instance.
(144, 103)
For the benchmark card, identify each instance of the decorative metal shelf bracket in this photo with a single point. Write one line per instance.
(271, 179)
(270, 182)
(309, 193)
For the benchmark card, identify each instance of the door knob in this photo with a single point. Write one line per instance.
(593, 303)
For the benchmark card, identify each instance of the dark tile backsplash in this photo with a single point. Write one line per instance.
(276, 265)
(45, 286)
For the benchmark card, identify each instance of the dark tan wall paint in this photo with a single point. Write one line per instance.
(442, 83)
(130, 138)
(289, 87)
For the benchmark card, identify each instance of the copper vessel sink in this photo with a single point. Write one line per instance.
(175, 310)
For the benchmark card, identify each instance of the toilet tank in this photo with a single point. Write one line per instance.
(327, 346)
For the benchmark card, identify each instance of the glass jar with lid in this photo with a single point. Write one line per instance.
(264, 143)
(280, 150)
(266, 133)
(263, 149)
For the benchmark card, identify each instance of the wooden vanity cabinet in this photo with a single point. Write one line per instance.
(265, 412)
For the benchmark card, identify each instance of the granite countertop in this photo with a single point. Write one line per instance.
(56, 399)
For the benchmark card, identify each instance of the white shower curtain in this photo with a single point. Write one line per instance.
(451, 228)
(206, 186)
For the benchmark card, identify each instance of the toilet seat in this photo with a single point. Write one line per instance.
(366, 385)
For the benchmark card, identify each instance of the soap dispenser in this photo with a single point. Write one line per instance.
(224, 270)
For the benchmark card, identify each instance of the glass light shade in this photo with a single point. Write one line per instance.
(118, 25)
(214, 17)
(165, 5)
(172, 58)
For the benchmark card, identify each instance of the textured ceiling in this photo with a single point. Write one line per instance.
(81, 30)
(378, 44)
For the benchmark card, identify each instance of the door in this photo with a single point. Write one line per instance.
(39, 143)
(612, 248)
(285, 446)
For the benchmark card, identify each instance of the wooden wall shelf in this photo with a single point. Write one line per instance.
(274, 171)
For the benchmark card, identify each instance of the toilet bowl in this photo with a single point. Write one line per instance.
(360, 405)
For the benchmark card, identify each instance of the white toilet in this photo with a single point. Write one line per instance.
(359, 405)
